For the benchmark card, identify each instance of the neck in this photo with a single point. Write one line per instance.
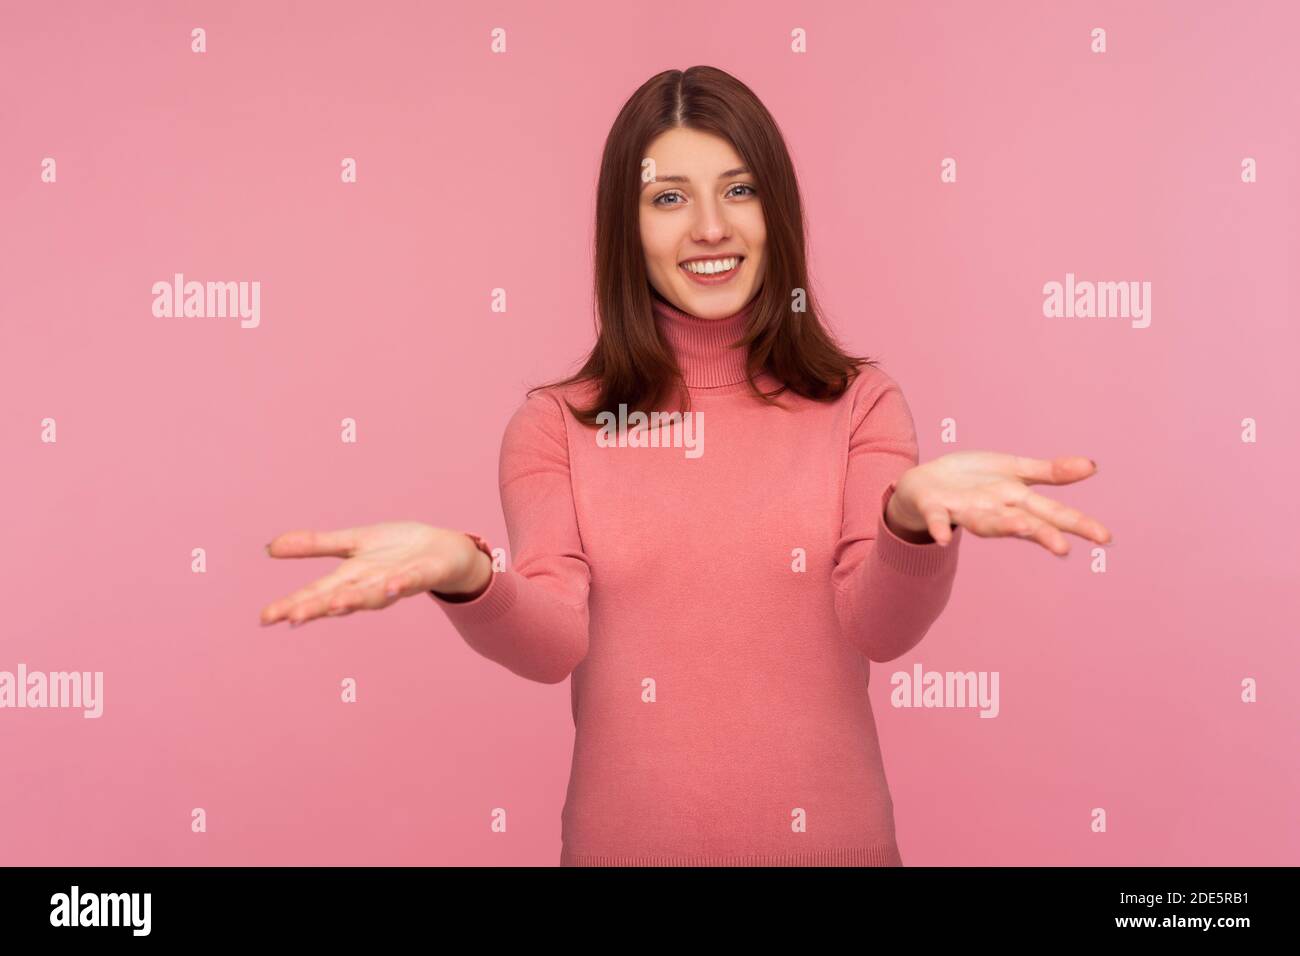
(703, 347)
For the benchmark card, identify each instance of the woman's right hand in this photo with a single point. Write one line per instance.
(385, 563)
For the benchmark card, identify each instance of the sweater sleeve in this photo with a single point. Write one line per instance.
(532, 617)
(888, 591)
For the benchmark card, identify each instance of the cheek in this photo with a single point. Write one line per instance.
(659, 252)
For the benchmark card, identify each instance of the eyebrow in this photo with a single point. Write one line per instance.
(727, 174)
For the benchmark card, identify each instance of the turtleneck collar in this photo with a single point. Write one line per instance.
(702, 347)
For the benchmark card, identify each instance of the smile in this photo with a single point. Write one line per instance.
(712, 271)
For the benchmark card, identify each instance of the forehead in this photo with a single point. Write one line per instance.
(690, 152)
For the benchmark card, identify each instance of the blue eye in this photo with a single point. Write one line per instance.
(656, 200)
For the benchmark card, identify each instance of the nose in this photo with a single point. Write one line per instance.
(710, 221)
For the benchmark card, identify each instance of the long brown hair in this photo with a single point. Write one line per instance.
(629, 363)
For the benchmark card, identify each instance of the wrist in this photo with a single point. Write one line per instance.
(901, 528)
(478, 574)
(905, 534)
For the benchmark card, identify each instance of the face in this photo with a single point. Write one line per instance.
(699, 210)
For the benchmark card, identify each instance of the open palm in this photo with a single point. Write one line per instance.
(385, 563)
(988, 492)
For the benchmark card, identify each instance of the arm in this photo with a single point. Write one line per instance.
(532, 618)
(888, 591)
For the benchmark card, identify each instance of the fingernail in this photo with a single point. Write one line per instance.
(268, 549)
(1093, 463)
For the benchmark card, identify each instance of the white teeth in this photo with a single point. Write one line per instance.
(708, 267)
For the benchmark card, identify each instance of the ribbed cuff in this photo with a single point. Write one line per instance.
(497, 598)
(916, 559)
(490, 603)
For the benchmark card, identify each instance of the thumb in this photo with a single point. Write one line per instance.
(938, 522)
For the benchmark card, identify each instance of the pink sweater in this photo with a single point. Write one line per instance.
(715, 601)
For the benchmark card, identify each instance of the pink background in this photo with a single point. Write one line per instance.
(476, 171)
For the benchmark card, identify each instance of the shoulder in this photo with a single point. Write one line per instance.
(542, 418)
(877, 395)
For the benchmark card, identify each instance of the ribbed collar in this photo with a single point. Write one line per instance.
(702, 347)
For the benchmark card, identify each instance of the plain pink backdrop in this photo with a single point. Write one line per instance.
(477, 171)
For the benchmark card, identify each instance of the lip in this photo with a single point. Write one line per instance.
(716, 255)
(714, 279)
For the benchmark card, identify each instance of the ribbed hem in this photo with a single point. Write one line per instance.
(702, 347)
(497, 598)
(916, 559)
(885, 854)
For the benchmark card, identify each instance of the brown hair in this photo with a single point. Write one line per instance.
(629, 363)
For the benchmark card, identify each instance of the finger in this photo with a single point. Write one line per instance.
(998, 521)
(939, 523)
(403, 583)
(344, 601)
(1022, 524)
(982, 518)
(377, 591)
(1064, 517)
(1062, 470)
(371, 594)
(343, 592)
(314, 544)
(302, 613)
(278, 610)
(320, 605)
(283, 608)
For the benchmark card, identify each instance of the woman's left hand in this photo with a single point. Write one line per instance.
(988, 493)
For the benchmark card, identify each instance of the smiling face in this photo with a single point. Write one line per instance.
(702, 226)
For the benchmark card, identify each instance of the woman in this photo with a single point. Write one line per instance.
(715, 594)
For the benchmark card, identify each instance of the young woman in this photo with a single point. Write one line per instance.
(715, 595)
